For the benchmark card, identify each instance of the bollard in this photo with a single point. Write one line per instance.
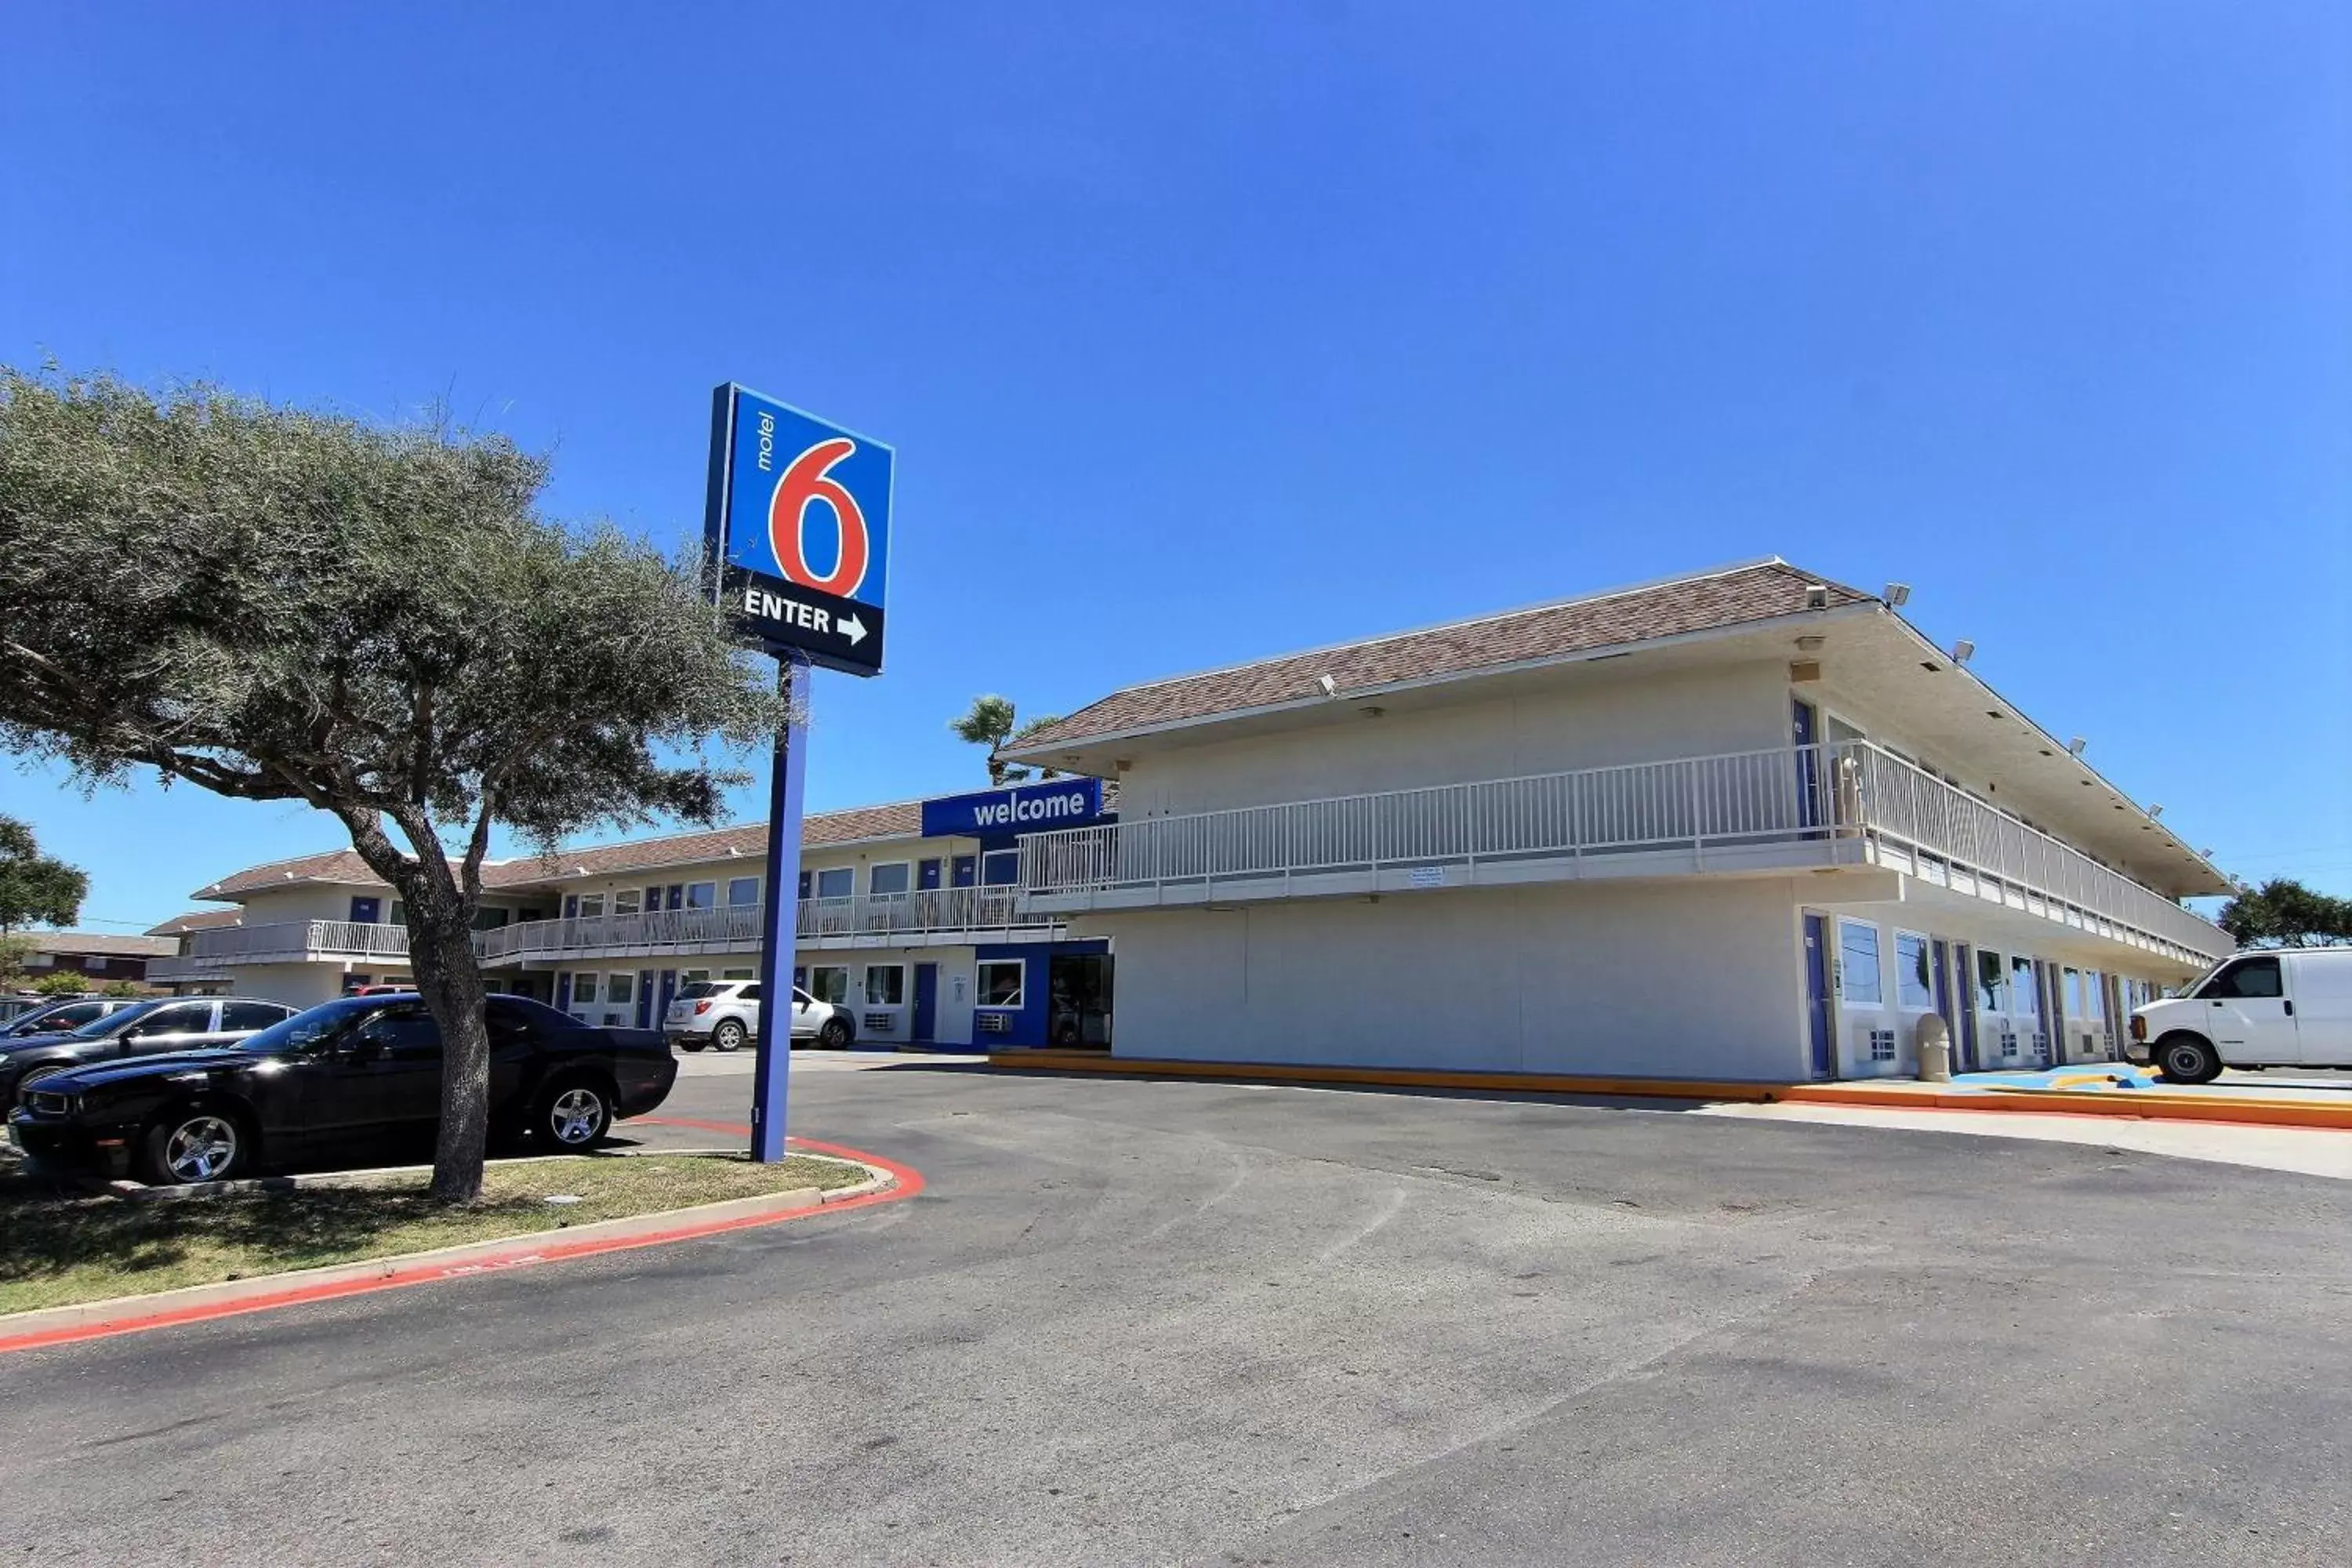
(1935, 1043)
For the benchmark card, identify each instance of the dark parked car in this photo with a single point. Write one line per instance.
(142, 1028)
(359, 1071)
(57, 1017)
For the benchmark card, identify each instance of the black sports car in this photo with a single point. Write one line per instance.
(361, 1071)
(144, 1028)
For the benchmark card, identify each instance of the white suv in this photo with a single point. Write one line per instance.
(725, 1013)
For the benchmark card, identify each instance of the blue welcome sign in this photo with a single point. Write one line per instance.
(1027, 808)
(798, 521)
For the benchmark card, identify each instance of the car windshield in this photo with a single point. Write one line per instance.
(291, 1037)
(115, 1023)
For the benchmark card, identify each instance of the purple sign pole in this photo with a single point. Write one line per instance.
(772, 1081)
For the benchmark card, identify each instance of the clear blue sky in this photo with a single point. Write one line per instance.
(1209, 331)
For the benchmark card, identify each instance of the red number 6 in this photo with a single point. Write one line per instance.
(808, 479)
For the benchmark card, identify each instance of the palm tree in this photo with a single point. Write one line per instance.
(991, 722)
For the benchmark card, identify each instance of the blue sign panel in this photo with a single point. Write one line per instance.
(1028, 808)
(798, 518)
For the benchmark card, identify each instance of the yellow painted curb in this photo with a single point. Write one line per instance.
(2130, 1104)
(1400, 1077)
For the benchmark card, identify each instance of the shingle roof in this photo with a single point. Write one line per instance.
(100, 944)
(332, 866)
(197, 919)
(747, 841)
(1705, 602)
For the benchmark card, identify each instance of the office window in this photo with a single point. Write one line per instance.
(1915, 973)
(620, 990)
(836, 882)
(2024, 997)
(886, 985)
(583, 989)
(890, 877)
(591, 906)
(829, 981)
(1858, 978)
(701, 895)
(1991, 982)
(741, 890)
(626, 903)
(999, 983)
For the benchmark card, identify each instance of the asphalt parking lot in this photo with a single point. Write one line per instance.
(1152, 1322)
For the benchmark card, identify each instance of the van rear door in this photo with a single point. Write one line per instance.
(2247, 1009)
(2319, 987)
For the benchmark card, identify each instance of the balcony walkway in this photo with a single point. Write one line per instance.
(1751, 812)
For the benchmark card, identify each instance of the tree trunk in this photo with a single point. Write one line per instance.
(449, 976)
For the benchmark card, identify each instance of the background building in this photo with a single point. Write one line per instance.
(908, 912)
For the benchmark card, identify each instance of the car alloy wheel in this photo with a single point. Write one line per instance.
(729, 1036)
(575, 1117)
(201, 1148)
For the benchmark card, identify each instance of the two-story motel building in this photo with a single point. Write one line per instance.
(1745, 824)
(907, 912)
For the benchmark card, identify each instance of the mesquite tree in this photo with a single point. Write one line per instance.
(377, 620)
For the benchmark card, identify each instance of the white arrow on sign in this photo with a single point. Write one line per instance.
(853, 629)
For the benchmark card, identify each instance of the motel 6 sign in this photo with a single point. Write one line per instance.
(799, 520)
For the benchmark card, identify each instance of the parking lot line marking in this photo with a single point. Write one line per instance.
(528, 1250)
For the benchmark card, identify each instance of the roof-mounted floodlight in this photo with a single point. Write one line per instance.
(1963, 651)
(1897, 595)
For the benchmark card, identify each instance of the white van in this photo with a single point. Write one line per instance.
(2283, 1009)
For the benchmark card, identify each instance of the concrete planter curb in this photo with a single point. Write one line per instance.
(195, 1303)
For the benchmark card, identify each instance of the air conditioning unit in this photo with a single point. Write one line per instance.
(996, 1023)
(1882, 1045)
(2009, 1043)
(2040, 1048)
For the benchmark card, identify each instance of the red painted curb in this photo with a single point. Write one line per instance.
(528, 1250)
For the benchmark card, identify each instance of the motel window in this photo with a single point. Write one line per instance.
(1991, 984)
(999, 983)
(2094, 995)
(620, 990)
(1858, 978)
(742, 891)
(1000, 867)
(592, 905)
(626, 903)
(2025, 999)
(399, 915)
(887, 877)
(734, 974)
(701, 895)
(886, 985)
(1915, 974)
(2074, 993)
(696, 977)
(836, 882)
(583, 989)
(829, 981)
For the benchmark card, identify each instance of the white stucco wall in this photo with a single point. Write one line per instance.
(1601, 723)
(296, 984)
(1694, 980)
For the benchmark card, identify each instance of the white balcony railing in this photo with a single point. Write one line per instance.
(978, 911)
(182, 971)
(1826, 795)
(288, 942)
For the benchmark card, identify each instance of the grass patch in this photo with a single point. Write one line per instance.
(58, 1247)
